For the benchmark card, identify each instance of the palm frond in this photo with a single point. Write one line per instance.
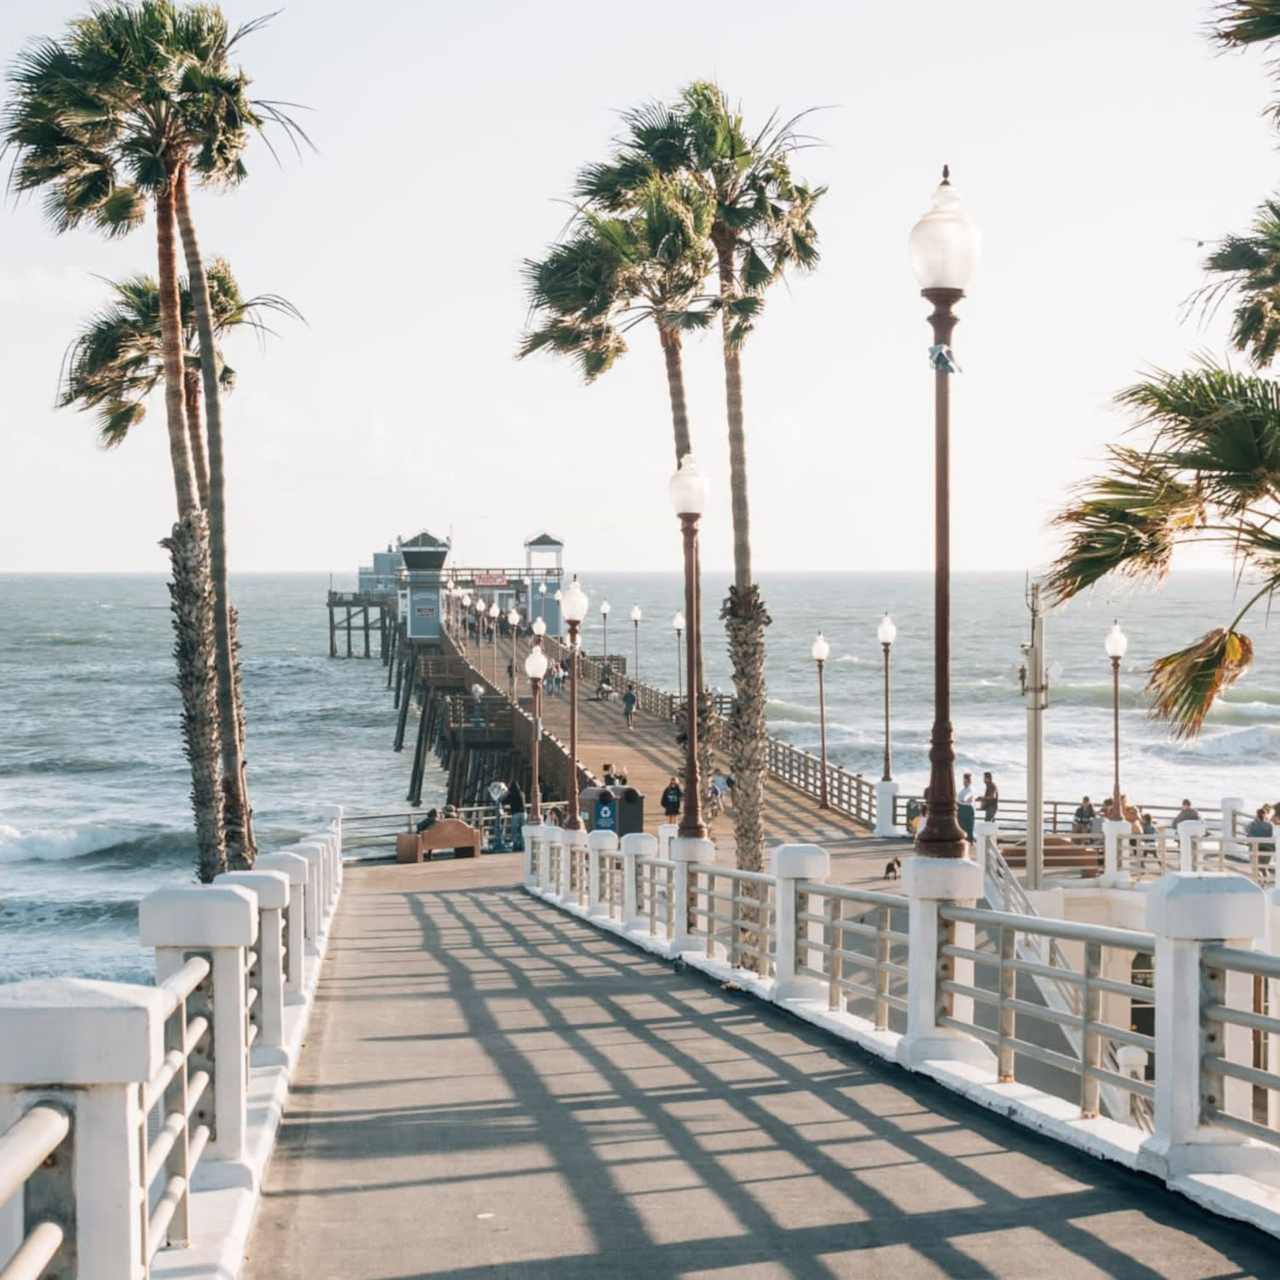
(1184, 684)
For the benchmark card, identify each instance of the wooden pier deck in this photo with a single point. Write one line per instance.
(491, 1088)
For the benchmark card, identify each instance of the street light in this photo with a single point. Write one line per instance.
(820, 652)
(575, 605)
(542, 598)
(604, 614)
(944, 253)
(886, 633)
(636, 616)
(688, 498)
(1116, 644)
(677, 624)
(493, 626)
(513, 621)
(535, 667)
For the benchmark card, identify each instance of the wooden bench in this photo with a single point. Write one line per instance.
(444, 833)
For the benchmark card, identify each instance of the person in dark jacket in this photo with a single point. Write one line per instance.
(515, 803)
(671, 799)
(990, 797)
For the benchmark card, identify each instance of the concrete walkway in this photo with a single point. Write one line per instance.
(492, 1088)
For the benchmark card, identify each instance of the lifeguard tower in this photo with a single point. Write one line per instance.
(424, 556)
(539, 574)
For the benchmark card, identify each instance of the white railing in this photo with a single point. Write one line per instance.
(1165, 1042)
(122, 1093)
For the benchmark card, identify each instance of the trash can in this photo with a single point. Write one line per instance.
(601, 808)
(630, 810)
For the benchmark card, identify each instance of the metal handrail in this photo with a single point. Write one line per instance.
(32, 1140)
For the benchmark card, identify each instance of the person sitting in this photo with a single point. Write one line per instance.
(1082, 819)
(1134, 819)
(428, 822)
(1185, 814)
(1095, 823)
(1259, 829)
(1148, 825)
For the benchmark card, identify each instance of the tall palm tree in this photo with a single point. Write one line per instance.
(615, 272)
(762, 225)
(1247, 269)
(107, 119)
(1209, 473)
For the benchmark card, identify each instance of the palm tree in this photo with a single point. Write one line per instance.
(762, 225)
(107, 119)
(1210, 473)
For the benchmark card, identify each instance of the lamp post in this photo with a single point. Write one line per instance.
(559, 599)
(688, 498)
(820, 652)
(944, 253)
(636, 616)
(1116, 644)
(513, 621)
(677, 625)
(535, 667)
(542, 598)
(886, 633)
(604, 616)
(575, 605)
(480, 615)
(493, 626)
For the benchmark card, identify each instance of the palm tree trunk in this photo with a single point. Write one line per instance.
(184, 483)
(743, 612)
(195, 433)
(191, 600)
(674, 355)
(238, 814)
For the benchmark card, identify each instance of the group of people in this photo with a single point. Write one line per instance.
(968, 801)
(1089, 821)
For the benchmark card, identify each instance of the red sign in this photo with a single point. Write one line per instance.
(491, 580)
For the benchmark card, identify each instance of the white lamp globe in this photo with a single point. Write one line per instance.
(559, 596)
(945, 242)
(1117, 641)
(466, 599)
(604, 609)
(820, 649)
(542, 588)
(479, 605)
(886, 632)
(513, 618)
(493, 611)
(575, 603)
(636, 615)
(539, 627)
(535, 665)
(688, 489)
(677, 623)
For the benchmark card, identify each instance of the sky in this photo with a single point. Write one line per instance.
(1094, 144)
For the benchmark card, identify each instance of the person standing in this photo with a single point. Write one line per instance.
(629, 706)
(964, 806)
(515, 803)
(990, 797)
(671, 799)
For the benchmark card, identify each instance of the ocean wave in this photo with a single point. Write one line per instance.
(37, 913)
(1259, 742)
(849, 657)
(776, 711)
(123, 847)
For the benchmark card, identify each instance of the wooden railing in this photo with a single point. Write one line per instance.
(848, 793)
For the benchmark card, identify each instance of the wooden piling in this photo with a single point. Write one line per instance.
(405, 698)
(333, 634)
(367, 652)
(349, 654)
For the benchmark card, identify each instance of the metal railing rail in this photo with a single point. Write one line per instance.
(655, 893)
(740, 922)
(37, 1140)
(1216, 1015)
(176, 1095)
(1093, 1032)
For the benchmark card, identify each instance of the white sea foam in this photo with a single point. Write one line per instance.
(54, 844)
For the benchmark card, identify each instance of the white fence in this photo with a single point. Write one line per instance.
(122, 1105)
(963, 993)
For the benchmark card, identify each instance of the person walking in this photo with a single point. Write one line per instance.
(671, 799)
(990, 797)
(629, 706)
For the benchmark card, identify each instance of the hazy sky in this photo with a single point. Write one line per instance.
(1094, 143)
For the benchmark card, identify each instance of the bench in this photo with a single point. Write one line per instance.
(444, 833)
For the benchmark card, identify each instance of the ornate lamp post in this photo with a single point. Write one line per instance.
(887, 633)
(513, 621)
(542, 598)
(688, 498)
(575, 605)
(604, 615)
(535, 667)
(636, 616)
(1116, 644)
(493, 627)
(480, 616)
(559, 599)
(820, 652)
(677, 625)
(944, 253)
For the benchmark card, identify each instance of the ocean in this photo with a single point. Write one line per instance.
(93, 785)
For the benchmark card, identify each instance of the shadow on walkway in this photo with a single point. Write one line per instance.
(493, 1088)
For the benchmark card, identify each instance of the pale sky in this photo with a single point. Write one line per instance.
(1093, 143)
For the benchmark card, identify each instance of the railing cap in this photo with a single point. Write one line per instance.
(800, 862)
(208, 916)
(603, 841)
(942, 879)
(79, 1031)
(291, 864)
(691, 849)
(640, 843)
(270, 887)
(1205, 905)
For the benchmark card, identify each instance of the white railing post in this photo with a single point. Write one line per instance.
(931, 882)
(329, 847)
(638, 844)
(598, 842)
(685, 850)
(295, 959)
(791, 863)
(667, 832)
(271, 888)
(314, 848)
(574, 840)
(886, 806)
(1230, 806)
(313, 906)
(1185, 911)
(221, 923)
(85, 1047)
(534, 852)
(332, 814)
(554, 841)
(1113, 874)
(1188, 834)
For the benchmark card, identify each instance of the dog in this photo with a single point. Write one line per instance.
(893, 868)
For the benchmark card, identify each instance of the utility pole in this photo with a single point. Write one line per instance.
(1035, 689)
